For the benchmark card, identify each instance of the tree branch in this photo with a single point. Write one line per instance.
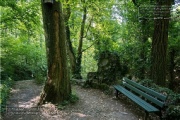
(88, 27)
(135, 3)
(89, 46)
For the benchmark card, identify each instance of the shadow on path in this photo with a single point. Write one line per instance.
(93, 105)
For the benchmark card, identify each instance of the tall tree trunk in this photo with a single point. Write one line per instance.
(71, 53)
(79, 55)
(160, 42)
(57, 87)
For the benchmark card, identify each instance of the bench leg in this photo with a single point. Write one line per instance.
(146, 116)
(116, 93)
(160, 115)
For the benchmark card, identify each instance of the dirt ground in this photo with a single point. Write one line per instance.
(93, 104)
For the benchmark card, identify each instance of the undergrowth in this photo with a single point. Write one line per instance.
(39, 79)
(5, 87)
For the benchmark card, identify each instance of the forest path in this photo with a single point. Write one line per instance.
(93, 104)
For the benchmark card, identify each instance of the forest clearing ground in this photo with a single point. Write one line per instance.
(93, 104)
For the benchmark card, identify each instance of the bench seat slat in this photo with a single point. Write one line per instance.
(152, 99)
(145, 89)
(148, 107)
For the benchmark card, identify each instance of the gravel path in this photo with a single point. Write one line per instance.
(93, 105)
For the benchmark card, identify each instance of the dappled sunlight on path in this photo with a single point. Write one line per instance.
(92, 105)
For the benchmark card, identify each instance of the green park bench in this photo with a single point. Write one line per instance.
(148, 99)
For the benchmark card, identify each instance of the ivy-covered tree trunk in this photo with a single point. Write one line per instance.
(75, 60)
(79, 54)
(160, 41)
(67, 13)
(57, 87)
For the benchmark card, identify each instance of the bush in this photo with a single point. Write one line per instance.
(39, 79)
(173, 112)
(21, 61)
(5, 88)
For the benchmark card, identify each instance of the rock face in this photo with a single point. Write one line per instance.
(108, 69)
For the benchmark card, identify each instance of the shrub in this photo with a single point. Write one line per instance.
(173, 112)
(39, 79)
(5, 88)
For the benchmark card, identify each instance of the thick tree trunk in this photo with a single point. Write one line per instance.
(160, 42)
(79, 55)
(57, 87)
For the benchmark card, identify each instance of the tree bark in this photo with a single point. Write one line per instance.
(160, 42)
(71, 53)
(79, 55)
(57, 87)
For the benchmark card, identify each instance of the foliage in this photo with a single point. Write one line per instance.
(23, 61)
(88, 62)
(173, 112)
(22, 45)
(39, 78)
(5, 87)
(115, 26)
(174, 49)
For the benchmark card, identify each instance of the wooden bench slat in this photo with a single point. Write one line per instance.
(145, 89)
(148, 107)
(150, 98)
(145, 97)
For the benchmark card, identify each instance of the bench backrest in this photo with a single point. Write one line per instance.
(149, 94)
